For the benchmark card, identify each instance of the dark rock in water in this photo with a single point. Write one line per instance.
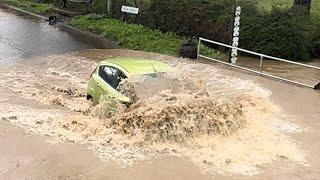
(52, 20)
(189, 50)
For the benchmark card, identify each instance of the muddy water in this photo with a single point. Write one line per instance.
(212, 125)
(21, 38)
(285, 70)
(222, 124)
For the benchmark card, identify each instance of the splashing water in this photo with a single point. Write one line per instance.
(221, 123)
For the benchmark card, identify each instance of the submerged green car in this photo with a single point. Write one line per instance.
(106, 78)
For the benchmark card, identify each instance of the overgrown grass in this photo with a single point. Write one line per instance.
(38, 8)
(131, 36)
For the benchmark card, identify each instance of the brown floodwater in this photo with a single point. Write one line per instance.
(219, 112)
(285, 70)
(207, 115)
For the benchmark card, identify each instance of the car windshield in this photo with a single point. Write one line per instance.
(111, 75)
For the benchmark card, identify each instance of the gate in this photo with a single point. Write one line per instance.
(260, 69)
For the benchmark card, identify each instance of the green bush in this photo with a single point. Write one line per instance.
(206, 18)
(280, 32)
(277, 31)
(314, 34)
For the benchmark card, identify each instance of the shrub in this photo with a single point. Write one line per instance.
(280, 33)
(314, 33)
(206, 18)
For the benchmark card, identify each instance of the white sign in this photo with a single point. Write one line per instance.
(236, 33)
(131, 10)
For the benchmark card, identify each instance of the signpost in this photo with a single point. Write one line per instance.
(130, 10)
(233, 54)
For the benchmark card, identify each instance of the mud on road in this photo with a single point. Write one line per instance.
(224, 125)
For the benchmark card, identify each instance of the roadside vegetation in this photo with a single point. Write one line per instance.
(271, 27)
(131, 36)
(31, 6)
(134, 36)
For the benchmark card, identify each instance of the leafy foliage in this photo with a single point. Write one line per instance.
(280, 33)
(267, 26)
(277, 31)
(206, 18)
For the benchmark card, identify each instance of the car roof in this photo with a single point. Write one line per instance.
(136, 66)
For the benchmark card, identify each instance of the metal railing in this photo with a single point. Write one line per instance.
(262, 56)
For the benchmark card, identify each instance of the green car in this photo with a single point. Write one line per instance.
(106, 78)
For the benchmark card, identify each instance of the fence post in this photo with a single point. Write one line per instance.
(260, 67)
(198, 50)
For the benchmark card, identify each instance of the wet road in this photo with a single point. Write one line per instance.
(24, 38)
(285, 70)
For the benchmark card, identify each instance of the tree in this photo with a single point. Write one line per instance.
(304, 5)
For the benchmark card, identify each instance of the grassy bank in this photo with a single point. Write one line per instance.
(38, 8)
(130, 36)
(133, 36)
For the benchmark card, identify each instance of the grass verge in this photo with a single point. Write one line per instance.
(38, 8)
(133, 36)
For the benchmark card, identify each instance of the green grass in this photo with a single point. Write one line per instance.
(133, 36)
(38, 8)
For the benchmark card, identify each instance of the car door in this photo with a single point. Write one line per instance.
(96, 89)
(106, 82)
(101, 86)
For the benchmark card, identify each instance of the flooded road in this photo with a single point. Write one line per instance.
(285, 70)
(229, 126)
(300, 74)
(24, 38)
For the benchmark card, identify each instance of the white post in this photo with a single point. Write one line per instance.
(199, 46)
(109, 7)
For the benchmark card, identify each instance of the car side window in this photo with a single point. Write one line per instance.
(111, 75)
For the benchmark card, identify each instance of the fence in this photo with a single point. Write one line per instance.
(262, 57)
